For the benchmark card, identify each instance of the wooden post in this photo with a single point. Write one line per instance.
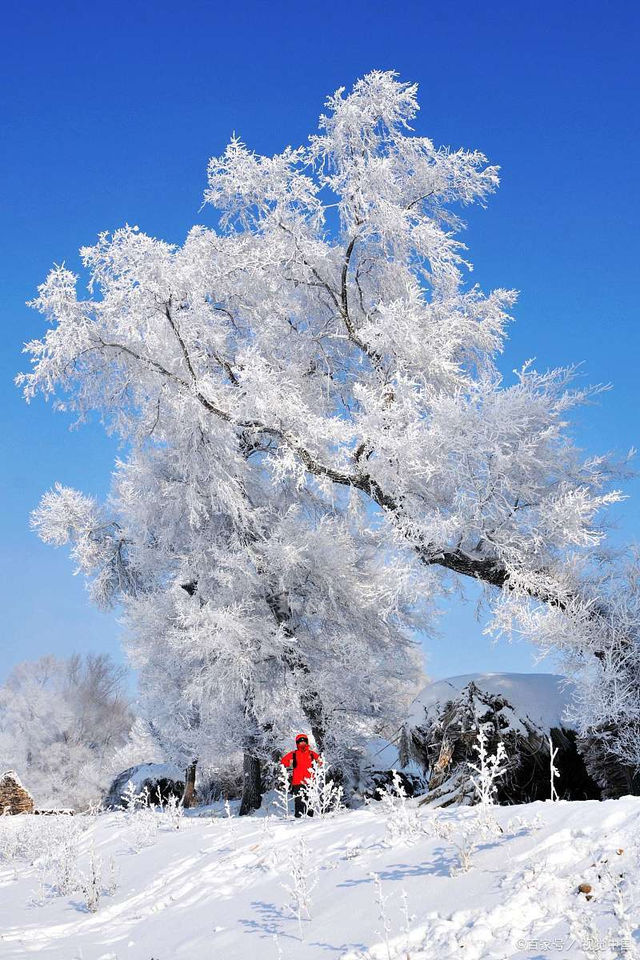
(189, 795)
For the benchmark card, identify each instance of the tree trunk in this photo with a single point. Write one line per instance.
(189, 795)
(251, 786)
(310, 700)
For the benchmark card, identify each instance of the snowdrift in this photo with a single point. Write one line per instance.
(383, 883)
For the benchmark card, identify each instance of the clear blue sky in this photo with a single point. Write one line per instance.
(110, 112)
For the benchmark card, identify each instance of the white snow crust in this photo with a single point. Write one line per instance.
(215, 888)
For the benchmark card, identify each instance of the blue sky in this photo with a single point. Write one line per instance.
(111, 111)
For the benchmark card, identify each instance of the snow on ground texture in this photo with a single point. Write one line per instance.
(542, 697)
(213, 889)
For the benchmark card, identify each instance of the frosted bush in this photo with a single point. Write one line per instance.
(143, 828)
(283, 793)
(402, 822)
(463, 836)
(303, 877)
(92, 884)
(488, 769)
(53, 847)
(465, 844)
(63, 868)
(322, 796)
(98, 881)
(142, 817)
(383, 916)
(174, 812)
(486, 772)
(29, 839)
(133, 799)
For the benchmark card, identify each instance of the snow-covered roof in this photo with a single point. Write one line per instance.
(543, 698)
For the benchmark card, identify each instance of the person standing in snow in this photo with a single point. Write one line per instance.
(300, 760)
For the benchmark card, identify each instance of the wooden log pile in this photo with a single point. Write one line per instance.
(13, 796)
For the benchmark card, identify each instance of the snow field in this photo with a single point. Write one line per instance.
(373, 884)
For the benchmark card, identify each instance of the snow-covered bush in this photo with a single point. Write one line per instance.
(554, 773)
(174, 812)
(52, 845)
(29, 839)
(488, 769)
(62, 862)
(283, 793)
(463, 835)
(402, 822)
(142, 816)
(321, 794)
(383, 915)
(302, 879)
(144, 826)
(465, 842)
(230, 825)
(92, 883)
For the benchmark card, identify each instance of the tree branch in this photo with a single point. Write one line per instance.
(486, 569)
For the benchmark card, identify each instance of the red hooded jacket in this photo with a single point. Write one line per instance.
(302, 758)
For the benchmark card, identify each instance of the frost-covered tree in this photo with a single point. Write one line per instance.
(324, 333)
(244, 627)
(61, 721)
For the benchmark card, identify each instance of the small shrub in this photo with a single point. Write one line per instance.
(302, 881)
(401, 820)
(321, 794)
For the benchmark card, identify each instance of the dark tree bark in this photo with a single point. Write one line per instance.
(251, 784)
(189, 795)
(310, 700)
(606, 768)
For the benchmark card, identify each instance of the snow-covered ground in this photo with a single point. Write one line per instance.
(388, 884)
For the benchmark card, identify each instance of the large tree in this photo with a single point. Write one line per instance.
(325, 332)
(244, 625)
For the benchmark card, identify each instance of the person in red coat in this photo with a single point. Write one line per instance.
(301, 761)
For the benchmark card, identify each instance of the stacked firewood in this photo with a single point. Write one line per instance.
(13, 796)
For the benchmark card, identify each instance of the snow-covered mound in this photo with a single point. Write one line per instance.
(543, 698)
(432, 883)
(381, 758)
(159, 780)
(517, 713)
